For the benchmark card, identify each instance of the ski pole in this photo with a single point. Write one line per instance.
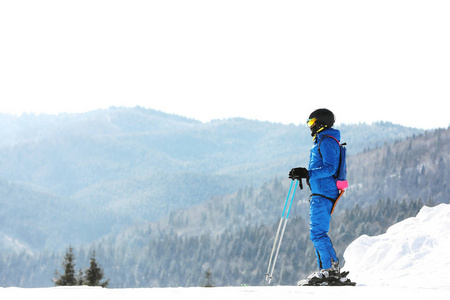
(277, 241)
(278, 231)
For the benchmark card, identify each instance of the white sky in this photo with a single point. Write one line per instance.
(268, 60)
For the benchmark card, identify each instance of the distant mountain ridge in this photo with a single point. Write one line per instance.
(109, 169)
(416, 168)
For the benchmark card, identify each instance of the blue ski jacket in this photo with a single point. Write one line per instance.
(323, 165)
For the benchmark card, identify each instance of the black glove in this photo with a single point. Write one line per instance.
(298, 173)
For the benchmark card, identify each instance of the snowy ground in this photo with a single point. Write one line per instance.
(410, 261)
(234, 293)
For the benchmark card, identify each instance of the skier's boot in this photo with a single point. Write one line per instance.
(318, 278)
(331, 276)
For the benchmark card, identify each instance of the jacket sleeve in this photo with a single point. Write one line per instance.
(329, 149)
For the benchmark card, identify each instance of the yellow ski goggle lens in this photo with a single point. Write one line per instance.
(311, 122)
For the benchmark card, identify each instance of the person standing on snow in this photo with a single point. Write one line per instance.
(323, 165)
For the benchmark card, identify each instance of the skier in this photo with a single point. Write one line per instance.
(323, 164)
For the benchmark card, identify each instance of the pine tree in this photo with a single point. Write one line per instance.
(94, 274)
(208, 280)
(68, 278)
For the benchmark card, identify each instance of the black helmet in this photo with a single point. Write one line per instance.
(319, 120)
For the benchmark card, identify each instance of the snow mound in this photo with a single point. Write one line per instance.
(414, 252)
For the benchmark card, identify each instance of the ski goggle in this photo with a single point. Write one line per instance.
(311, 122)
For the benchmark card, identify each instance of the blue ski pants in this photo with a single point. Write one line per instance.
(320, 217)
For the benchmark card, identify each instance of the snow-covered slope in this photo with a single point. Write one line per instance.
(414, 252)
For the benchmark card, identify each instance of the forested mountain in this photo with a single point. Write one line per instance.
(110, 169)
(411, 169)
(184, 226)
(147, 258)
(418, 167)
